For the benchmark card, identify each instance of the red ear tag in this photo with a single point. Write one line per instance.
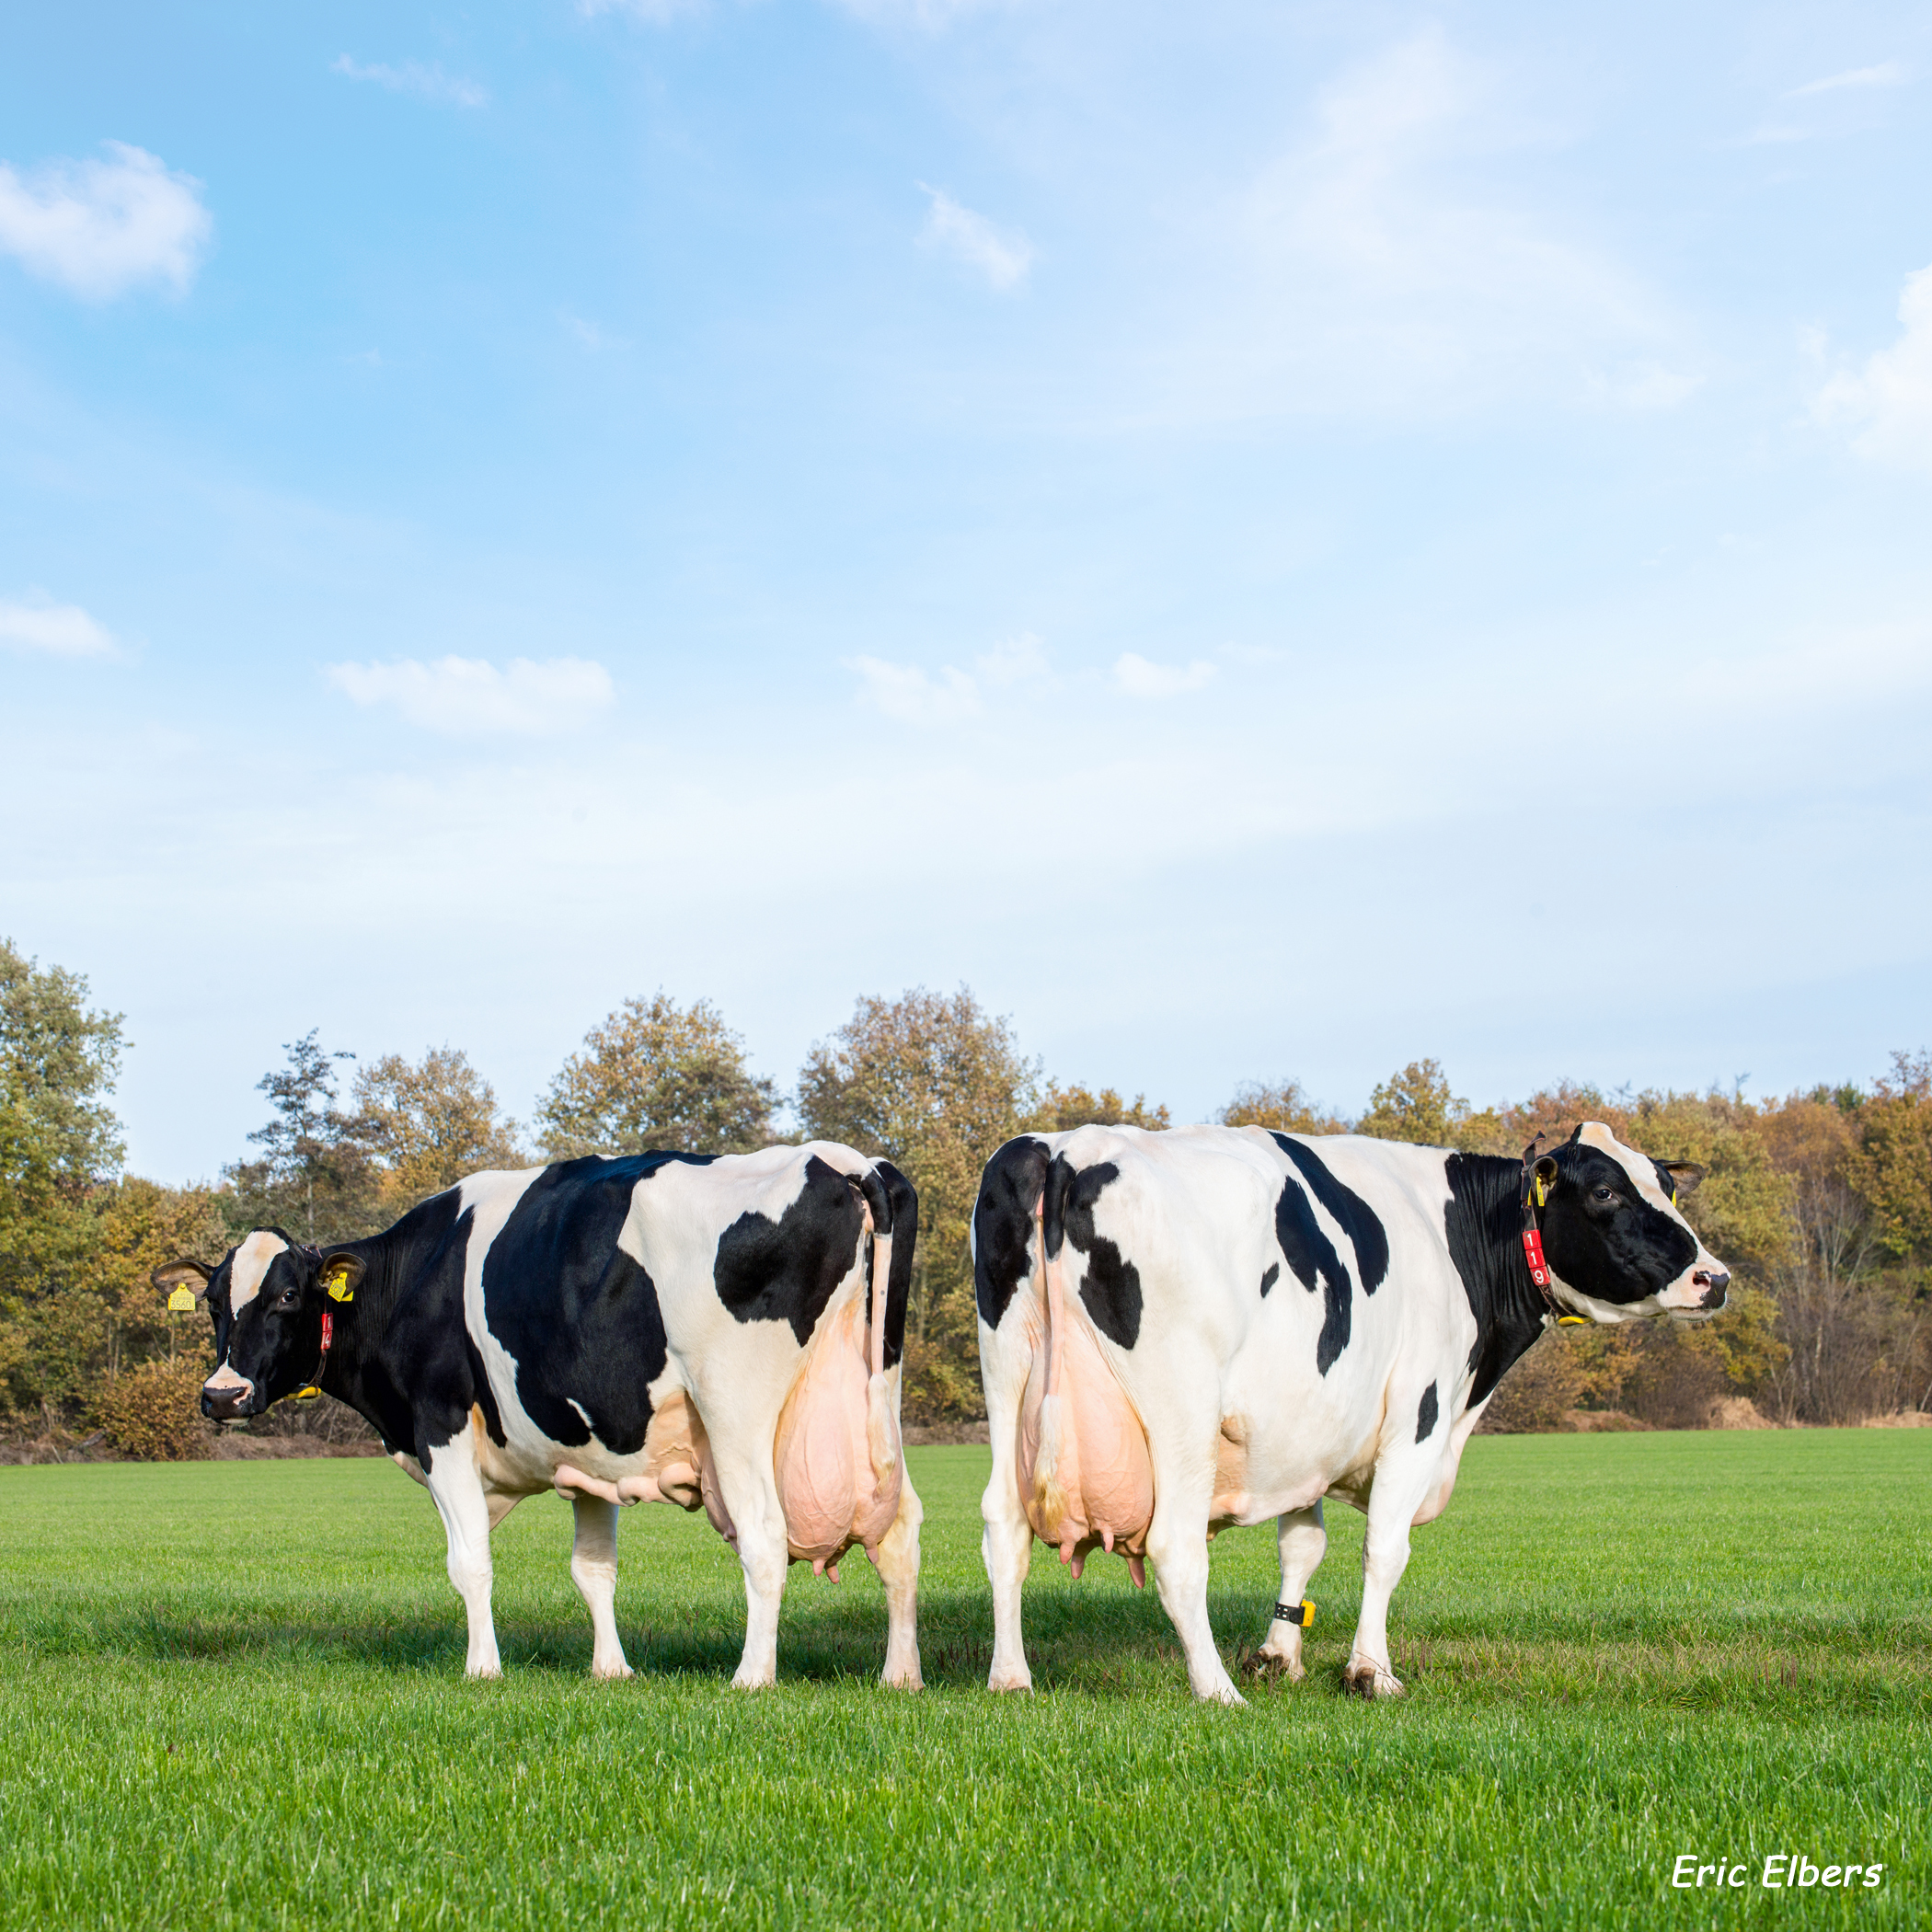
(1533, 1250)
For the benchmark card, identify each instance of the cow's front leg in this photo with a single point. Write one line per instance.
(899, 1571)
(456, 1489)
(1402, 1483)
(593, 1568)
(1177, 1543)
(1303, 1542)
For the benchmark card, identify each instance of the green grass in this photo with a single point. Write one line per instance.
(232, 1694)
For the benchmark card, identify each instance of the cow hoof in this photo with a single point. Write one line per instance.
(756, 1681)
(1368, 1680)
(484, 1672)
(905, 1681)
(1223, 1693)
(612, 1673)
(1020, 1680)
(1267, 1667)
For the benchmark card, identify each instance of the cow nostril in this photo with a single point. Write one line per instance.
(1714, 1282)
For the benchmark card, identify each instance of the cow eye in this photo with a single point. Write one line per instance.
(1605, 1194)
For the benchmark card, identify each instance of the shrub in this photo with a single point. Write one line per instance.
(154, 1412)
(1538, 1392)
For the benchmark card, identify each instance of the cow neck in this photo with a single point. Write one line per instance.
(354, 1325)
(1485, 1229)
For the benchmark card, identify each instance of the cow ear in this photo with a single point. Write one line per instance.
(1545, 1173)
(1684, 1174)
(342, 1273)
(184, 1282)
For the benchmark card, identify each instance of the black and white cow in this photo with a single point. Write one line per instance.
(722, 1333)
(1185, 1330)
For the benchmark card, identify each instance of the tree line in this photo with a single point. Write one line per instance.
(1821, 1201)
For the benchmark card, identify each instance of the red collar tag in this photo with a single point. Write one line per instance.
(1533, 1251)
(329, 1330)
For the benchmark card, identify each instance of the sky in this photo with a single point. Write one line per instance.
(1267, 540)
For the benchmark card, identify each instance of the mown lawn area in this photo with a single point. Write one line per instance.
(232, 1694)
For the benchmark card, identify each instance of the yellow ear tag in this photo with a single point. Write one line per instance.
(1542, 1191)
(339, 1288)
(181, 1302)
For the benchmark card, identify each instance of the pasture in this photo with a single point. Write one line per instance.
(232, 1696)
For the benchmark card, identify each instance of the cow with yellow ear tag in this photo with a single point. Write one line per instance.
(723, 1333)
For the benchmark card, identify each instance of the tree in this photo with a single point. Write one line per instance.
(59, 1145)
(1890, 1162)
(57, 1135)
(429, 1123)
(656, 1075)
(1281, 1105)
(1415, 1105)
(1062, 1109)
(315, 1177)
(934, 1084)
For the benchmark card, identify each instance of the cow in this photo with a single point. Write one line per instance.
(1185, 1330)
(722, 1332)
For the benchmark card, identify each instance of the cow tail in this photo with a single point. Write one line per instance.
(882, 1440)
(1049, 1495)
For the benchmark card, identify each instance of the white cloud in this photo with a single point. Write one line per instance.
(1888, 73)
(1139, 677)
(97, 228)
(64, 630)
(659, 13)
(469, 697)
(427, 83)
(587, 335)
(1406, 254)
(1889, 401)
(916, 696)
(1002, 255)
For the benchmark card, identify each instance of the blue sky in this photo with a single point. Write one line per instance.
(1266, 540)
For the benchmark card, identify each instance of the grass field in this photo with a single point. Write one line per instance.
(232, 1694)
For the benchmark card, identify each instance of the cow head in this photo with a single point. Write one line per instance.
(1614, 1240)
(267, 1298)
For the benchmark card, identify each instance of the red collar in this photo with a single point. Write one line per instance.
(1535, 1192)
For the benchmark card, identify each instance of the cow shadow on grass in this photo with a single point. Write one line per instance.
(1095, 1642)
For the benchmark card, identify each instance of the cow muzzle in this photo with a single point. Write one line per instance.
(224, 1401)
(1716, 1284)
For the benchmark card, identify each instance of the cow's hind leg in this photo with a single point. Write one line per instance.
(899, 1571)
(750, 1491)
(456, 1489)
(1176, 1544)
(1402, 1484)
(1302, 1541)
(593, 1568)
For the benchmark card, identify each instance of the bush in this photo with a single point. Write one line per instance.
(1537, 1393)
(154, 1412)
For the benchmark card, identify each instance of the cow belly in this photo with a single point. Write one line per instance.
(836, 1455)
(1084, 1473)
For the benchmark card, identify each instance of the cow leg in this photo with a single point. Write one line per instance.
(456, 1489)
(1401, 1486)
(750, 1492)
(1177, 1541)
(593, 1568)
(1303, 1542)
(1008, 1548)
(898, 1562)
